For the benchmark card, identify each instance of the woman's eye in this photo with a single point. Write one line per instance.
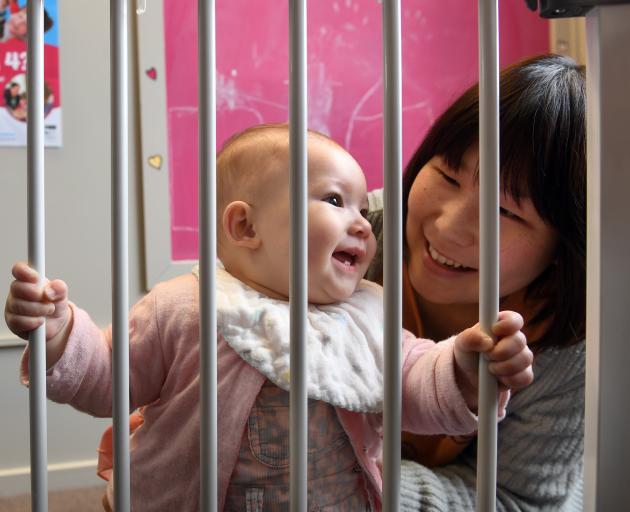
(448, 179)
(508, 214)
(335, 200)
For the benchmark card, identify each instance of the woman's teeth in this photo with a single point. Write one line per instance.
(443, 259)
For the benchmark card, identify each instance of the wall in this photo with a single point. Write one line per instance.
(77, 239)
(568, 37)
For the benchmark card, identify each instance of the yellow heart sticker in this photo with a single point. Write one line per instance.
(155, 161)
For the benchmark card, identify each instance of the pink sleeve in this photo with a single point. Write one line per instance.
(432, 401)
(83, 375)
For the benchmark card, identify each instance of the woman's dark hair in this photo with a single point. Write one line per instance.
(543, 158)
(48, 21)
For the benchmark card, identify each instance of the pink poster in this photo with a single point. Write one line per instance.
(345, 90)
(13, 66)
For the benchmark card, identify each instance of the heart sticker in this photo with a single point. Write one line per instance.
(155, 161)
(152, 73)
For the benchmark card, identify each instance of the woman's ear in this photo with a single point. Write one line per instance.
(238, 225)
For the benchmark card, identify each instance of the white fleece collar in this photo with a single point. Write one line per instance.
(344, 341)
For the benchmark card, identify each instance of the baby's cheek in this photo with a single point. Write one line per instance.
(371, 251)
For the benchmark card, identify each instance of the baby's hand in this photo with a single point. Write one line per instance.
(29, 305)
(510, 359)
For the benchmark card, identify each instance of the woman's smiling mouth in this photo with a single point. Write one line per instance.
(445, 262)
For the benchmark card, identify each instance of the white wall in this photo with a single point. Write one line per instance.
(77, 237)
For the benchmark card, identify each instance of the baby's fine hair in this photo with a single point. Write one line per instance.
(275, 134)
(248, 152)
(543, 158)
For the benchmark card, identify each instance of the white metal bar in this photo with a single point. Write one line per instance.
(207, 255)
(120, 252)
(606, 449)
(298, 433)
(593, 262)
(392, 247)
(488, 245)
(36, 251)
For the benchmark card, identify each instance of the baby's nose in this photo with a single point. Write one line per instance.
(361, 226)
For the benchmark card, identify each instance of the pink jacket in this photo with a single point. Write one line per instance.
(164, 377)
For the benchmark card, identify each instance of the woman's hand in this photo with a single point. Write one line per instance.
(510, 359)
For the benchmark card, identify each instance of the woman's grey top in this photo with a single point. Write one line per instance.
(540, 446)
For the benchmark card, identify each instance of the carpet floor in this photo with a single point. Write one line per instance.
(74, 500)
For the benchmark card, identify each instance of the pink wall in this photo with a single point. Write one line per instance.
(344, 71)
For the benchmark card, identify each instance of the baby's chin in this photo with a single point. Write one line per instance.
(325, 297)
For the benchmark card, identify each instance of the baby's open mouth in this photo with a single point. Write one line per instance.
(345, 258)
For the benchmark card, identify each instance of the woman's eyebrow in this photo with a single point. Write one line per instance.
(520, 205)
(458, 166)
(440, 164)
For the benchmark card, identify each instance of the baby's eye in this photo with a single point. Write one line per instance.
(335, 200)
(508, 214)
(364, 212)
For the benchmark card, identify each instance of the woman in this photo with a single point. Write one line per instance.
(542, 275)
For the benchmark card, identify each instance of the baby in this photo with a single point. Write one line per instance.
(345, 355)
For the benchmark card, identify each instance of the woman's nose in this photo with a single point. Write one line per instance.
(459, 222)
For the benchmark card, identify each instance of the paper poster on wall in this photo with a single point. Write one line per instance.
(14, 101)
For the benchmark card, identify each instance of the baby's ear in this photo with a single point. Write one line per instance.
(238, 225)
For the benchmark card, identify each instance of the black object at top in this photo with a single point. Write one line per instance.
(568, 8)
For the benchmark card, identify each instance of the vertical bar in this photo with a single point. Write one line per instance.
(593, 263)
(606, 449)
(392, 268)
(36, 251)
(120, 251)
(489, 245)
(298, 433)
(207, 255)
